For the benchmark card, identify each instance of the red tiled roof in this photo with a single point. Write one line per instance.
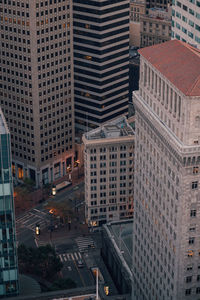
(178, 62)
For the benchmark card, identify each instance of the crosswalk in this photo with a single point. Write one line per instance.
(31, 218)
(40, 242)
(70, 256)
(84, 243)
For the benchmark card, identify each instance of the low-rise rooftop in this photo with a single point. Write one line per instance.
(115, 129)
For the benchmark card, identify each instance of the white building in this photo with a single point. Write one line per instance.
(108, 156)
(186, 21)
(36, 86)
(166, 248)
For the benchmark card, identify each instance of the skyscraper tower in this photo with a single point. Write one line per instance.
(101, 61)
(166, 252)
(8, 257)
(36, 86)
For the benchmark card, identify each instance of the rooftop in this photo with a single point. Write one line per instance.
(121, 234)
(178, 62)
(115, 129)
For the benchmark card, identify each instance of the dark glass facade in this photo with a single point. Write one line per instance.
(8, 256)
(101, 61)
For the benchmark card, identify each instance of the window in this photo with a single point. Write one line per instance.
(198, 277)
(191, 23)
(191, 11)
(195, 170)
(192, 228)
(188, 279)
(188, 292)
(198, 290)
(194, 185)
(191, 240)
(193, 213)
(185, 7)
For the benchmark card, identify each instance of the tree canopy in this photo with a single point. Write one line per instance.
(40, 261)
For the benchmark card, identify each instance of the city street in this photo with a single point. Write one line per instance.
(71, 243)
(26, 222)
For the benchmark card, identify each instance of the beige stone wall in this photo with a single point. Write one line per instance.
(135, 34)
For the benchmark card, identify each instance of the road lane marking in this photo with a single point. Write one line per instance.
(72, 256)
(75, 254)
(81, 277)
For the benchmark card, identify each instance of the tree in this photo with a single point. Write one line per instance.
(40, 261)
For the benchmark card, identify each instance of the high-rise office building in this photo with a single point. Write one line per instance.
(36, 86)
(8, 257)
(186, 21)
(108, 161)
(166, 252)
(101, 61)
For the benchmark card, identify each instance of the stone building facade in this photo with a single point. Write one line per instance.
(137, 9)
(108, 162)
(155, 27)
(36, 86)
(166, 256)
(186, 22)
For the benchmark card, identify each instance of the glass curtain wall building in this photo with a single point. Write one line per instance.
(101, 61)
(8, 256)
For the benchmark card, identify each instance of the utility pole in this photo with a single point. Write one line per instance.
(97, 284)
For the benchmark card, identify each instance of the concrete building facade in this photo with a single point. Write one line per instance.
(186, 22)
(8, 253)
(36, 86)
(163, 4)
(137, 9)
(108, 162)
(155, 27)
(101, 61)
(166, 257)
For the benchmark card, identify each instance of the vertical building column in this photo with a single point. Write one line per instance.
(171, 99)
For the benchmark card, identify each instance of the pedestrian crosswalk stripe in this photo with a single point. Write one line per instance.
(84, 242)
(60, 256)
(70, 256)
